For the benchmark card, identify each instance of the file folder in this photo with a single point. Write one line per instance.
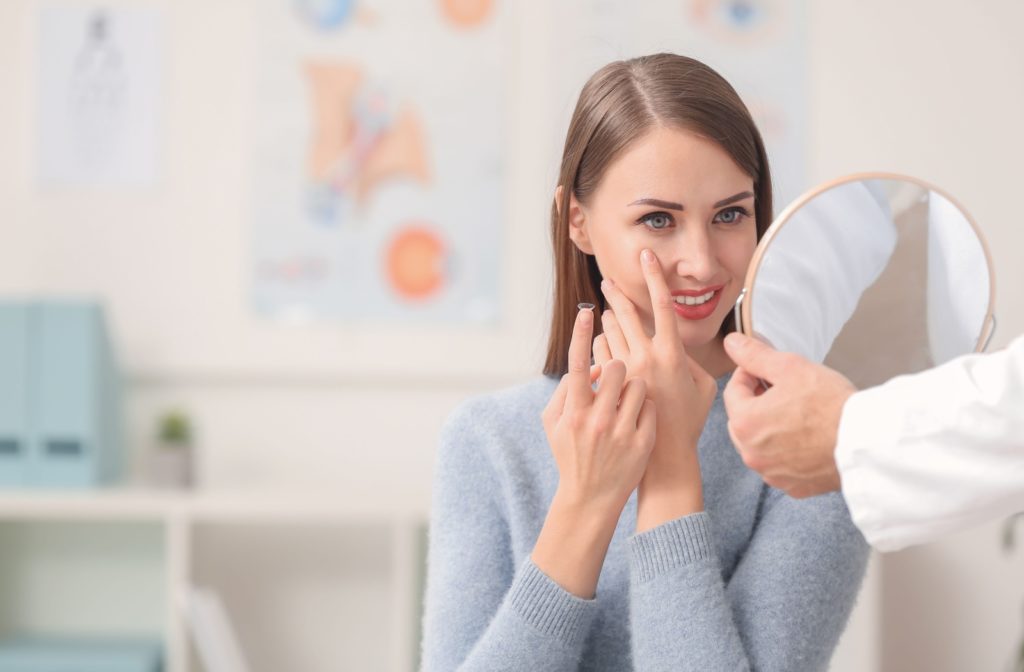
(14, 396)
(73, 397)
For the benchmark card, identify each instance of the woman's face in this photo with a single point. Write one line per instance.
(684, 198)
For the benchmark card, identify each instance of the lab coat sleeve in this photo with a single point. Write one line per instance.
(935, 452)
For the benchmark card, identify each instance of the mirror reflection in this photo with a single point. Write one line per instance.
(875, 276)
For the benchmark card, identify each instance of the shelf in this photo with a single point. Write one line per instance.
(200, 506)
(287, 578)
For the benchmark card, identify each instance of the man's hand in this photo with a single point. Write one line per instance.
(787, 433)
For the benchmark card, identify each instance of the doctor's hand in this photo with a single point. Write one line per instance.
(682, 391)
(787, 433)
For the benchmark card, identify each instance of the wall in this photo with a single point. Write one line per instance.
(931, 89)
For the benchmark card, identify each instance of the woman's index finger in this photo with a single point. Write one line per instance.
(662, 302)
(580, 393)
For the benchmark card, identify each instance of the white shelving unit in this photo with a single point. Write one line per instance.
(357, 564)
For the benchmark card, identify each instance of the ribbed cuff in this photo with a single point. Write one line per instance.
(670, 545)
(548, 607)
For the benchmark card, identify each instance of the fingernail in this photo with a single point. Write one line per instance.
(606, 284)
(647, 256)
(734, 340)
(586, 312)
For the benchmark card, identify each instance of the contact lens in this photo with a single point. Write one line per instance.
(585, 306)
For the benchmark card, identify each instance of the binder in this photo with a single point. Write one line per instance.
(73, 397)
(14, 397)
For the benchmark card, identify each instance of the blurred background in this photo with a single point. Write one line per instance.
(252, 253)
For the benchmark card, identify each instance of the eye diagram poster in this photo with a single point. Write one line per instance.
(377, 170)
(97, 95)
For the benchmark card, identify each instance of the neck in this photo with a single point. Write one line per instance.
(712, 358)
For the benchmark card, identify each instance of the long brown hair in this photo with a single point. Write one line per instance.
(617, 105)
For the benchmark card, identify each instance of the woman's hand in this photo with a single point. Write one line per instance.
(601, 442)
(681, 390)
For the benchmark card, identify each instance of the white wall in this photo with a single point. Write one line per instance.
(934, 89)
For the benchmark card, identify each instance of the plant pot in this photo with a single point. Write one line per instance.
(170, 465)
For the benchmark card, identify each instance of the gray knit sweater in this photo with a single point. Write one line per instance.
(756, 581)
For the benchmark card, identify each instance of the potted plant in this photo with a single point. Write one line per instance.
(171, 457)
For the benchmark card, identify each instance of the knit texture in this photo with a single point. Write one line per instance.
(755, 581)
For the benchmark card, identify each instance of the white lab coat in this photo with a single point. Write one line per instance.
(931, 453)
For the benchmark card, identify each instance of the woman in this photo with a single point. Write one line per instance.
(618, 529)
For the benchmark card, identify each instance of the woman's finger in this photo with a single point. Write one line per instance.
(646, 422)
(613, 333)
(556, 404)
(662, 303)
(608, 391)
(630, 403)
(626, 315)
(579, 394)
(602, 353)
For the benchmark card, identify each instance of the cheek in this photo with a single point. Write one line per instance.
(619, 259)
(736, 256)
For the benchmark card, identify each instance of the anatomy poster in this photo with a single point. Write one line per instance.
(377, 171)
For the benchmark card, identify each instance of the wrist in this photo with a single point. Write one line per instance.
(574, 541)
(668, 493)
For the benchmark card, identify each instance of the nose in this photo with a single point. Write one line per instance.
(696, 259)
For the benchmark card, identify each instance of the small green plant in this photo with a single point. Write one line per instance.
(1009, 543)
(174, 429)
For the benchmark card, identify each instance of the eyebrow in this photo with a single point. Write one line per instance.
(678, 206)
(658, 203)
(732, 199)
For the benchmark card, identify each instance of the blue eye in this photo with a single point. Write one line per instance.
(732, 215)
(657, 220)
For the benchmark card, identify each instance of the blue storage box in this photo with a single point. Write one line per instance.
(59, 396)
(80, 655)
(14, 402)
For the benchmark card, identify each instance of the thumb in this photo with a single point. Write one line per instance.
(758, 358)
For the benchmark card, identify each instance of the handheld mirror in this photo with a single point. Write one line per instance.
(875, 275)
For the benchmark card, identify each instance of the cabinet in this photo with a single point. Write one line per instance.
(309, 582)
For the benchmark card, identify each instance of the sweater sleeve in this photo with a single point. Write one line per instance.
(482, 612)
(783, 608)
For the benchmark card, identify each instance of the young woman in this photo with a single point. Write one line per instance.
(616, 528)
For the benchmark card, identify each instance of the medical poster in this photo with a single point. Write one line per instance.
(98, 95)
(377, 168)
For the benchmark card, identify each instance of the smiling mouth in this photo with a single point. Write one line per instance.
(696, 300)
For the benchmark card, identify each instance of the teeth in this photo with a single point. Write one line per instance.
(694, 300)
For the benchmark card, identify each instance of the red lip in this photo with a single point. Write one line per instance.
(702, 311)
(696, 292)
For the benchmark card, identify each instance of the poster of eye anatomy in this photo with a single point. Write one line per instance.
(759, 46)
(377, 167)
(98, 95)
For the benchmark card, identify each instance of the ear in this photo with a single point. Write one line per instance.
(577, 222)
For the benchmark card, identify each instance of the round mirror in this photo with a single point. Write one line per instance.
(873, 274)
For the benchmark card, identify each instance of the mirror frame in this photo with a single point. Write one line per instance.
(742, 309)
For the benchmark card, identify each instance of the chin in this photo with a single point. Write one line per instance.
(697, 336)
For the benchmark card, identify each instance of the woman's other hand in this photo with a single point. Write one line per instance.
(681, 390)
(601, 441)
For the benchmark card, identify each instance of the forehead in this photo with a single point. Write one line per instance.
(673, 164)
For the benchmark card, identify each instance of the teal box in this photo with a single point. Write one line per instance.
(14, 403)
(62, 425)
(80, 655)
